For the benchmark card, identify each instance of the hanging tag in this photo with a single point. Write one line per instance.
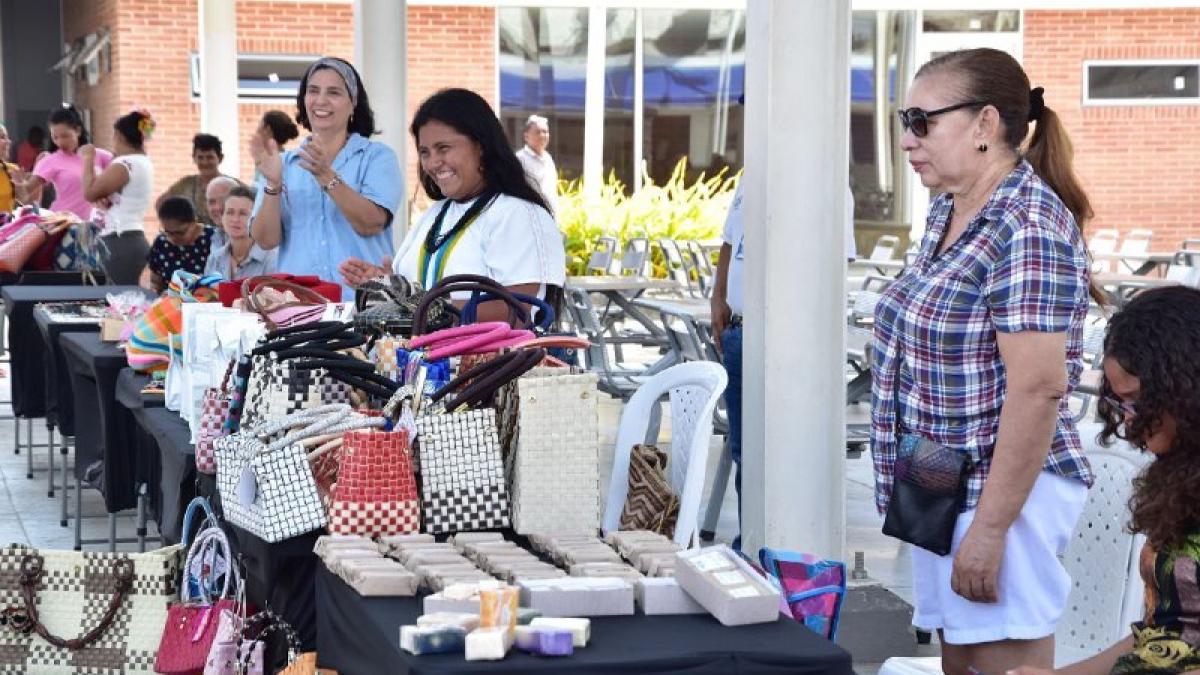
(247, 487)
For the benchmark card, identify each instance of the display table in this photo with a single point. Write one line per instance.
(166, 443)
(25, 341)
(362, 636)
(103, 429)
(59, 411)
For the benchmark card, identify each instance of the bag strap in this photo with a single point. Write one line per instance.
(32, 568)
(286, 338)
(479, 383)
(303, 417)
(210, 542)
(196, 504)
(462, 283)
(546, 313)
(331, 424)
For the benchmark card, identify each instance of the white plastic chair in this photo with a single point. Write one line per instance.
(1101, 558)
(694, 389)
(885, 247)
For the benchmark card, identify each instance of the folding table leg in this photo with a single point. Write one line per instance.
(708, 529)
(112, 533)
(28, 450)
(66, 468)
(50, 459)
(16, 435)
(141, 519)
(78, 515)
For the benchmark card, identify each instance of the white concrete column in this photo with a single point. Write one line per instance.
(793, 396)
(381, 56)
(218, 78)
(639, 97)
(593, 103)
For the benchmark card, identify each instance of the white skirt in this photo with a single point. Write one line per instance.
(1033, 585)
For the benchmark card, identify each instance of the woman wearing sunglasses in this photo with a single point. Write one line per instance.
(978, 346)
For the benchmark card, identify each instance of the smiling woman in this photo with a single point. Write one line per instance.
(333, 197)
(488, 219)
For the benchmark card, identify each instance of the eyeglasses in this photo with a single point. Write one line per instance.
(1126, 408)
(917, 120)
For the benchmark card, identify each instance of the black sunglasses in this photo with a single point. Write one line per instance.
(917, 120)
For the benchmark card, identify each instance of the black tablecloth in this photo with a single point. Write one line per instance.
(281, 577)
(129, 391)
(25, 341)
(103, 429)
(166, 440)
(59, 411)
(361, 636)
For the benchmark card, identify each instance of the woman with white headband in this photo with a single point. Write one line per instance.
(334, 196)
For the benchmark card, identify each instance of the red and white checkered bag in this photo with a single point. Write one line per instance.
(214, 410)
(376, 493)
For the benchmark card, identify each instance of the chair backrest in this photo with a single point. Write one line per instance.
(636, 258)
(703, 266)
(1102, 557)
(694, 389)
(1137, 241)
(602, 256)
(689, 340)
(1103, 241)
(885, 247)
(676, 269)
(586, 321)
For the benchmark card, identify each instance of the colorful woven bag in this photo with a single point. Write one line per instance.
(149, 348)
(376, 493)
(813, 588)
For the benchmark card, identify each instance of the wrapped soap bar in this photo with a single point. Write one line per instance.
(473, 549)
(406, 553)
(432, 639)
(544, 641)
(488, 644)
(392, 542)
(461, 539)
(646, 562)
(464, 620)
(498, 607)
(415, 559)
(574, 556)
(729, 588)
(580, 629)
(328, 542)
(381, 582)
(519, 574)
(446, 579)
(578, 596)
(665, 596)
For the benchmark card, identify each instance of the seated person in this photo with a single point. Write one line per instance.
(239, 257)
(183, 245)
(1148, 399)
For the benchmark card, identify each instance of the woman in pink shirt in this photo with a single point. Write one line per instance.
(64, 167)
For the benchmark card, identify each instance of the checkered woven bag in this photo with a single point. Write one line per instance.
(278, 388)
(376, 493)
(462, 473)
(115, 604)
(549, 432)
(214, 415)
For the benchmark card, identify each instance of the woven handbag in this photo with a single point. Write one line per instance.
(651, 503)
(192, 624)
(267, 488)
(376, 493)
(71, 612)
(550, 433)
(241, 643)
(462, 473)
(149, 346)
(19, 248)
(387, 306)
(306, 306)
(214, 415)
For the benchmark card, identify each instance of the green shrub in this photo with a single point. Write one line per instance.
(674, 209)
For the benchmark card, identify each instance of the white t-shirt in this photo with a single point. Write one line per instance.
(512, 242)
(542, 174)
(130, 204)
(734, 234)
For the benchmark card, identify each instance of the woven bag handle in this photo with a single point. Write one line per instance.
(333, 424)
(209, 542)
(32, 568)
(461, 283)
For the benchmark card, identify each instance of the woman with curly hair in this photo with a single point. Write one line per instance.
(1151, 398)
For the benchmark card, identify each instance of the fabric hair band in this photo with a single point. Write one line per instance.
(341, 68)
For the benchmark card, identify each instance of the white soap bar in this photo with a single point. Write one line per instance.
(581, 629)
(461, 539)
(463, 620)
(431, 639)
(489, 644)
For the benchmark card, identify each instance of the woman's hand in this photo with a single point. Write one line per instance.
(267, 159)
(355, 271)
(976, 573)
(315, 160)
(87, 153)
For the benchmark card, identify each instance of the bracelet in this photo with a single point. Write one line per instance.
(333, 182)
(274, 192)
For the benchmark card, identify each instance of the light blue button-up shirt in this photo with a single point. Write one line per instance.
(316, 235)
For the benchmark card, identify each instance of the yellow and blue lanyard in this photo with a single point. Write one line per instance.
(434, 253)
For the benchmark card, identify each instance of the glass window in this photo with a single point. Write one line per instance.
(694, 73)
(1143, 81)
(876, 174)
(972, 21)
(543, 67)
(263, 76)
(619, 156)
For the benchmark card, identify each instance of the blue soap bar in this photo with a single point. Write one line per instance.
(432, 639)
(545, 641)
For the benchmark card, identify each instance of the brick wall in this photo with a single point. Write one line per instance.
(1137, 162)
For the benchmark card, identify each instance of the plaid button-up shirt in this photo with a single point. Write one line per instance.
(1019, 266)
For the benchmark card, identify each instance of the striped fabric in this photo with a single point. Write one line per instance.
(1019, 266)
(157, 332)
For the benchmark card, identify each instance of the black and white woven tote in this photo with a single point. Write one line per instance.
(462, 472)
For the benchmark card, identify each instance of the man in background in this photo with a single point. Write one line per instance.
(536, 159)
